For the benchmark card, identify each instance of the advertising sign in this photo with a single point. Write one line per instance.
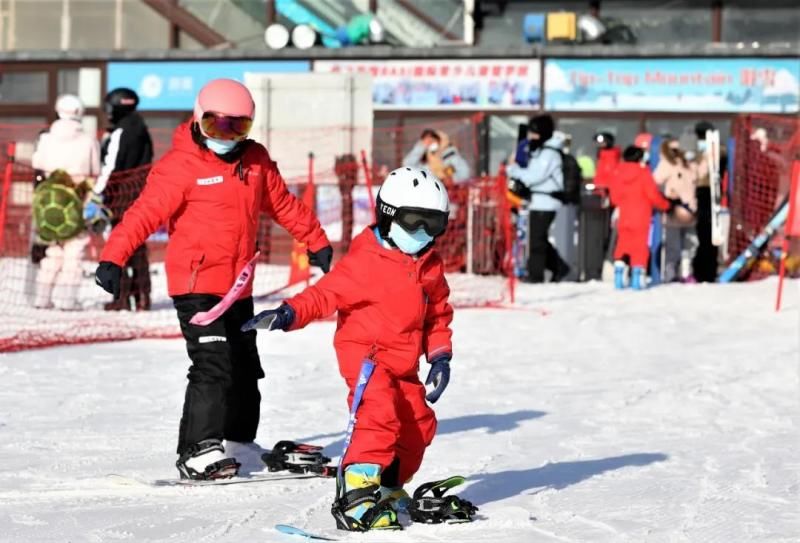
(769, 85)
(447, 84)
(173, 85)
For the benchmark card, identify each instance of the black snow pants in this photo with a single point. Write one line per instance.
(541, 254)
(222, 398)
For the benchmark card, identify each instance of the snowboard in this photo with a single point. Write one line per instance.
(293, 530)
(742, 262)
(257, 478)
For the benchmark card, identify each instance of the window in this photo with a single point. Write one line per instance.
(23, 87)
(662, 21)
(749, 22)
(685, 127)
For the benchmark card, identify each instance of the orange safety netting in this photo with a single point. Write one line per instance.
(48, 296)
(765, 146)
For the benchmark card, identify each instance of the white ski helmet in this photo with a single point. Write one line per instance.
(412, 198)
(69, 106)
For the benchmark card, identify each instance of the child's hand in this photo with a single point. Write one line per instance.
(438, 376)
(271, 319)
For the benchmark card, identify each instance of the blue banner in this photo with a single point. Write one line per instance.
(173, 85)
(768, 85)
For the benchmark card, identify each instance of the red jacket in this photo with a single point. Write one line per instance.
(607, 162)
(390, 305)
(635, 193)
(211, 209)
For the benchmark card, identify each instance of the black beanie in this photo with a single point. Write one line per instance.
(542, 125)
(701, 128)
(633, 154)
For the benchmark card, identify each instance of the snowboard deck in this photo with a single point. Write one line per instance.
(258, 478)
(294, 530)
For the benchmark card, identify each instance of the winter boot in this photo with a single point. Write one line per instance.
(206, 460)
(620, 270)
(638, 280)
(358, 507)
(396, 497)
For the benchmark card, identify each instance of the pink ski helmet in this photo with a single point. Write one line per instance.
(224, 109)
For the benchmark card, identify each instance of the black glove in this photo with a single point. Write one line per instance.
(108, 275)
(322, 258)
(280, 318)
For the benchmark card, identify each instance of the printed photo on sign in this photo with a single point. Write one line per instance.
(447, 84)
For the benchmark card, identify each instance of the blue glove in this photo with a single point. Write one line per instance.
(95, 214)
(271, 319)
(438, 376)
(522, 155)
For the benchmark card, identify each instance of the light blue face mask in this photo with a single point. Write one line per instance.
(409, 243)
(220, 147)
(702, 145)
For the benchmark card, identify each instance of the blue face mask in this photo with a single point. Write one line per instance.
(220, 147)
(409, 243)
(702, 145)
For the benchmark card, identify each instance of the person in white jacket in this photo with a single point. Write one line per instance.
(66, 146)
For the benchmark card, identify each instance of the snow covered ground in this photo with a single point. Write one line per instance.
(583, 414)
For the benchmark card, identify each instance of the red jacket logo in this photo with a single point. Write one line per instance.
(210, 180)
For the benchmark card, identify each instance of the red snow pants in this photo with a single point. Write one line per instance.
(393, 422)
(634, 243)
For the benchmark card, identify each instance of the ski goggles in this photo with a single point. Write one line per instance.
(225, 127)
(412, 219)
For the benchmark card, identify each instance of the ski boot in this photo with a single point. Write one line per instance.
(638, 280)
(431, 506)
(396, 497)
(205, 461)
(620, 270)
(358, 507)
(298, 458)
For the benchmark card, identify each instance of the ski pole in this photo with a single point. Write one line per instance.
(367, 367)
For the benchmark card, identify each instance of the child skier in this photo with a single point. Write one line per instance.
(392, 299)
(210, 189)
(635, 194)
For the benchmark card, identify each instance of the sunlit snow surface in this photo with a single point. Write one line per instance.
(583, 414)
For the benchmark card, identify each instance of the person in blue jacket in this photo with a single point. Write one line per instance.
(538, 166)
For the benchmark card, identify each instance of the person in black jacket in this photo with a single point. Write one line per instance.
(127, 145)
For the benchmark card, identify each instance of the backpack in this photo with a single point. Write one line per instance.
(573, 179)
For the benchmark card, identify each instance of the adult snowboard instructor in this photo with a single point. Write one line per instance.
(210, 189)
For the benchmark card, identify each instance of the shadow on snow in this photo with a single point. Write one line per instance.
(491, 487)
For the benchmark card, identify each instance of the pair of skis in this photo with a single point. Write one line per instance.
(720, 215)
(743, 261)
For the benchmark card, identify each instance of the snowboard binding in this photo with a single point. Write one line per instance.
(298, 458)
(378, 516)
(221, 469)
(429, 504)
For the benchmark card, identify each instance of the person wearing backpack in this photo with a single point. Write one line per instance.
(544, 177)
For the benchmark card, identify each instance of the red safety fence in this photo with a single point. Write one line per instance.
(765, 147)
(48, 296)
